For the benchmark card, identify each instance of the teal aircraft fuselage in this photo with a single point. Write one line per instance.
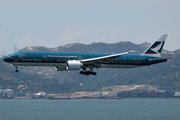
(58, 59)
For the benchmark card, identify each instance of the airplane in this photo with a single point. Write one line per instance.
(86, 62)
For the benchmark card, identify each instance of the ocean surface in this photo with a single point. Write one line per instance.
(90, 109)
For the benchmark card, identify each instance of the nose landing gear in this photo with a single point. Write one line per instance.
(16, 69)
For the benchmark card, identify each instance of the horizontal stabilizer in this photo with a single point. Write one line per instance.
(160, 59)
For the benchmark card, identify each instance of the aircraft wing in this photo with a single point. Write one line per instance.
(97, 60)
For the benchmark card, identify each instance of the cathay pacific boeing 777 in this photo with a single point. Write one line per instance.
(86, 62)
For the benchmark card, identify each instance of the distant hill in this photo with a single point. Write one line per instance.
(34, 79)
(96, 47)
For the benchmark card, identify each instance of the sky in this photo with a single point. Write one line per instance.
(53, 23)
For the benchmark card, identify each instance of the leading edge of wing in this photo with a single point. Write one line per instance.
(104, 58)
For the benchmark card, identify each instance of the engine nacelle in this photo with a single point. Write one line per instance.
(73, 65)
(61, 68)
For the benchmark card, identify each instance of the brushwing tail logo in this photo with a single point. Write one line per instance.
(156, 48)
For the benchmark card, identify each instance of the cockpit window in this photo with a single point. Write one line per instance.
(10, 55)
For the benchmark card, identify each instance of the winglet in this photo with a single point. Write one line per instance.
(156, 48)
(131, 51)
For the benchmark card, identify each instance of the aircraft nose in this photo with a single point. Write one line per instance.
(6, 59)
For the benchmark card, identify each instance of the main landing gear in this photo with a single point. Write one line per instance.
(16, 69)
(87, 73)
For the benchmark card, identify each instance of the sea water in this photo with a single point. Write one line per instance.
(90, 109)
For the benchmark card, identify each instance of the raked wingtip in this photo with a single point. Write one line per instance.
(131, 51)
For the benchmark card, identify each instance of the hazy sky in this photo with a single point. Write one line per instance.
(53, 23)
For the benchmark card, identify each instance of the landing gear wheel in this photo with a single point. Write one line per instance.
(81, 72)
(16, 69)
(94, 73)
(87, 73)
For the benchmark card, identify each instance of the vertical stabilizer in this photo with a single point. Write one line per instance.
(156, 48)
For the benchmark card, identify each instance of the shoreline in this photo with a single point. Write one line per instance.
(178, 97)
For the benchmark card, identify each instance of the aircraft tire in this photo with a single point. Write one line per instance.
(81, 72)
(87, 73)
(94, 73)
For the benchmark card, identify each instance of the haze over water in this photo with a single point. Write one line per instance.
(85, 109)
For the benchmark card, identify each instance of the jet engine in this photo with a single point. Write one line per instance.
(73, 65)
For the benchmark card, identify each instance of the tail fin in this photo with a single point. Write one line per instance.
(156, 47)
